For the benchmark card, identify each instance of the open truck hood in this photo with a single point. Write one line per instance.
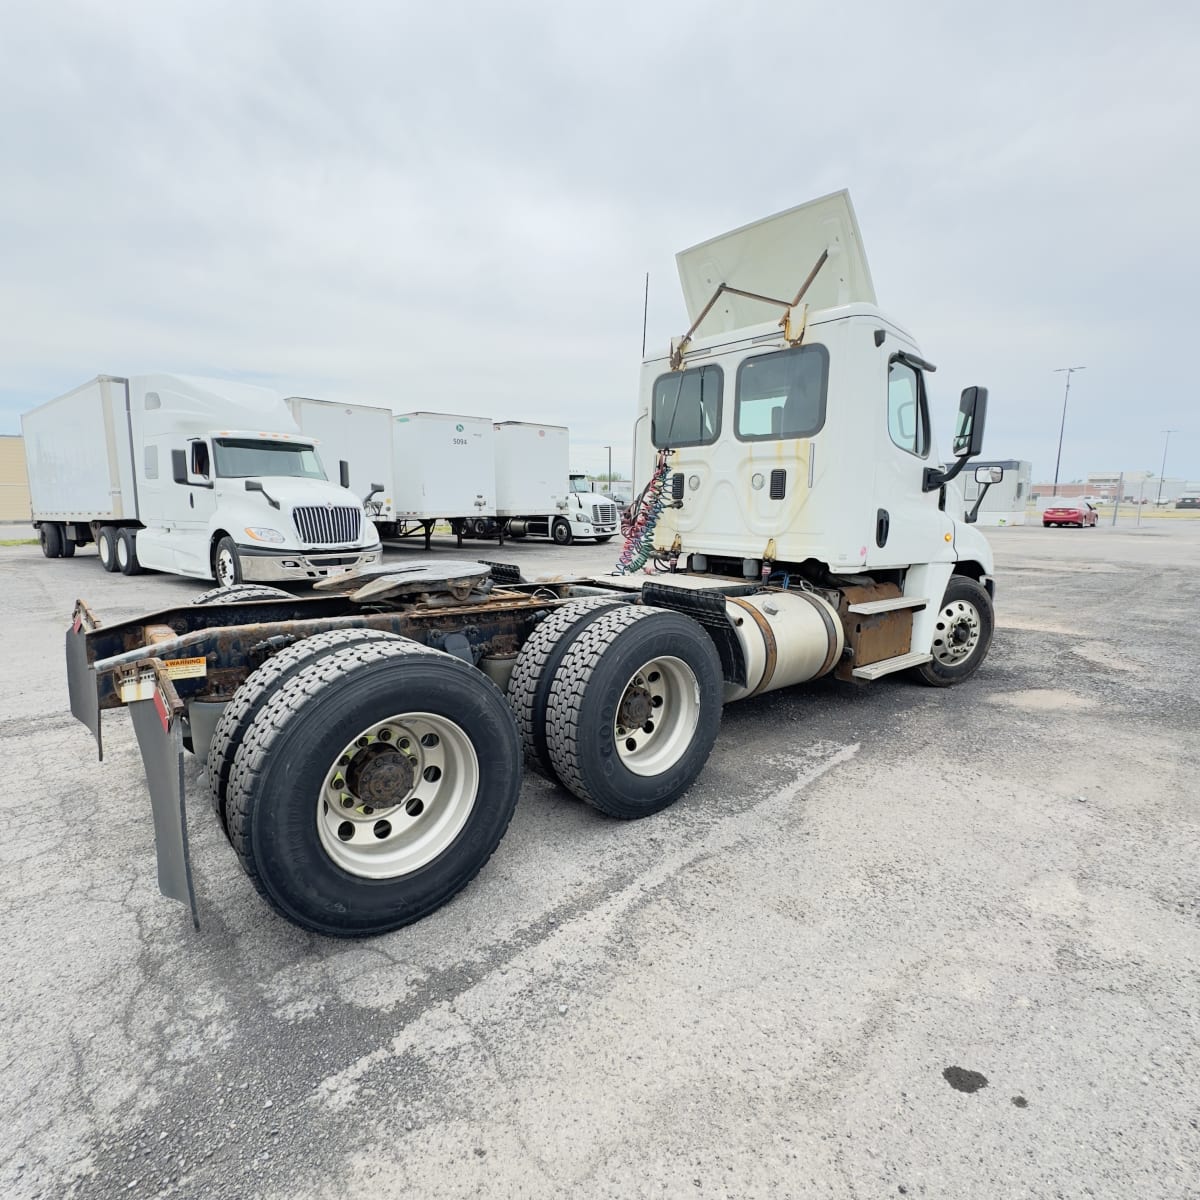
(773, 257)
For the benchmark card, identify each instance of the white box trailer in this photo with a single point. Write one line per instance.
(359, 435)
(201, 477)
(1004, 502)
(443, 469)
(537, 495)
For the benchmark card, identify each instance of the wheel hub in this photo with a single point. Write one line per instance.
(384, 780)
(636, 707)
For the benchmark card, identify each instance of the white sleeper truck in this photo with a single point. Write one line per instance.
(200, 477)
(364, 746)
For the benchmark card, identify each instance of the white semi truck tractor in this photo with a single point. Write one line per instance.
(364, 747)
(208, 478)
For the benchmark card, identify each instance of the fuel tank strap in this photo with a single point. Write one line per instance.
(769, 643)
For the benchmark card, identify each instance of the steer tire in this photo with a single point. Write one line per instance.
(297, 742)
(237, 716)
(533, 673)
(236, 593)
(50, 536)
(587, 703)
(962, 598)
(561, 532)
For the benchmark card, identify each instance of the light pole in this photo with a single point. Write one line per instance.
(1163, 469)
(1063, 424)
(609, 449)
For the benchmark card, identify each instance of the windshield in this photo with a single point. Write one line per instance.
(579, 483)
(243, 458)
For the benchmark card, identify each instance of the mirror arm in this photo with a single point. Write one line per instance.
(253, 485)
(935, 478)
(973, 515)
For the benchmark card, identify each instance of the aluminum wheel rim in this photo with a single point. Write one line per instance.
(397, 829)
(957, 632)
(104, 548)
(666, 692)
(225, 572)
(122, 552)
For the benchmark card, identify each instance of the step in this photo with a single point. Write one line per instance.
(868, 608)
(888, 665)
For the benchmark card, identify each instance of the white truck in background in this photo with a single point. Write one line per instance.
(532, 468)
(200, 477)
(360, 435)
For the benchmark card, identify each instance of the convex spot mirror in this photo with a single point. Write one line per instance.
(972, 412)
(989, 474)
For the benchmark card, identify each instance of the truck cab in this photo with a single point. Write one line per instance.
(228, 488)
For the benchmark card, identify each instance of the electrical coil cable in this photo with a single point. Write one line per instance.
(639, 542)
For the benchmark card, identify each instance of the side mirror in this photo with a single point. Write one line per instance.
(344, 474)
(179, 466)
(972, 412)
(989, 474)
(376, 488)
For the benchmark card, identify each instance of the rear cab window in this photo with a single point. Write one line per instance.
(782, 395)
(685, 408)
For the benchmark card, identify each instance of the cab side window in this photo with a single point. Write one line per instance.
(908, 416)
(200, 459)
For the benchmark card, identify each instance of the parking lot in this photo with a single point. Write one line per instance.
(896, 941)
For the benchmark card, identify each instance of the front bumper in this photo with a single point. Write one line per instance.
(280, 566)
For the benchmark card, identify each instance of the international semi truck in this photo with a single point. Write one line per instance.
(364, 746)
(198, 477)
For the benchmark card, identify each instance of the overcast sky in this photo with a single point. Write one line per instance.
(453, 207)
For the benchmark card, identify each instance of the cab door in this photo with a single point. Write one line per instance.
(196, 502)
(909, 525)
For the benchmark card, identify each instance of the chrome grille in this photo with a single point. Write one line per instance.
(317, 525)
(604, 514)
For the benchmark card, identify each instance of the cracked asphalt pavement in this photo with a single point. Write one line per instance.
(896, 941)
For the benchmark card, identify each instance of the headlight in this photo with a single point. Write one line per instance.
(261, 534)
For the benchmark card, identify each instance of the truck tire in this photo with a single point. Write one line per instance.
(106, 547)
(127, 559)
(533, 672)
(962, 634)
(50, 535)
(634, 710)
(68, 545)
(241, 591)
(258, 688)
(227, 563)
(426, 746)
(560, 531)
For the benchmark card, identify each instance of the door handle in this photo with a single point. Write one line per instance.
(883, 523)
(191, 499)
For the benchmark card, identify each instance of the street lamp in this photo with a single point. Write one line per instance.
(1063, 424)
(1163, 469)
(609, 449)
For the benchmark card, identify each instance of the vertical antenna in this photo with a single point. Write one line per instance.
(645, 312)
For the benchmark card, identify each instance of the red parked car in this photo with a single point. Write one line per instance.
(1070, 512)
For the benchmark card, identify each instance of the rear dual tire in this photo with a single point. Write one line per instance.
(424, 815)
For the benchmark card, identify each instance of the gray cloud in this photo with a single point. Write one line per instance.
(453, 207)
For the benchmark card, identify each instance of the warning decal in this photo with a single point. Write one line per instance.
(187, 668)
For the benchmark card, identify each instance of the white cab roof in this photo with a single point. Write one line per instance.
(773, 257)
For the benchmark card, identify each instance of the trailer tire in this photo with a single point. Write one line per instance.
(241, 591)
(50, 535)
(127, 559)
(227, 563)
(634, 710)
(68, 545)
(257, 689)
(560, 531)
(106, 547)
(962, 635)
(533, 672)
(366, 875)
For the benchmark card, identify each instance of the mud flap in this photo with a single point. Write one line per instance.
(158, 726)
(81, 679)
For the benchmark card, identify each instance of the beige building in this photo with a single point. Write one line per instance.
(14, 483)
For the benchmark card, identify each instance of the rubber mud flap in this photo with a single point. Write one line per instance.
(81, 684)
(161, 744)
